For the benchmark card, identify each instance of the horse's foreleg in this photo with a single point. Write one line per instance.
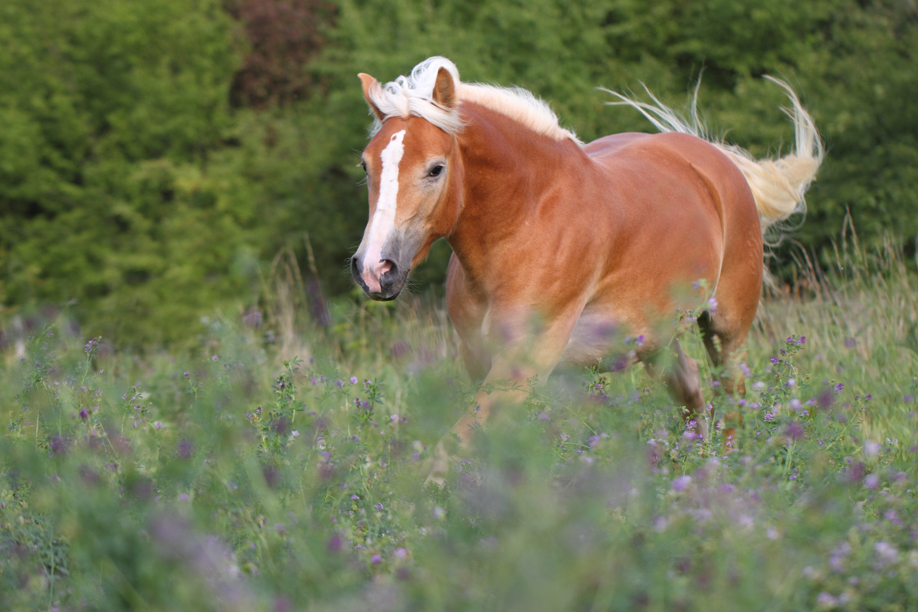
(475, 364)
(524, 357)
(502, 387)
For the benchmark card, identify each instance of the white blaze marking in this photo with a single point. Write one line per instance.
(384, 218)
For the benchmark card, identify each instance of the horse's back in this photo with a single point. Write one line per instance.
(610, 145)
(672, 152)
(650, 159)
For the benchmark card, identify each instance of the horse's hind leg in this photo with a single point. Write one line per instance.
(725, 349)
(684, 383)
(724, 339)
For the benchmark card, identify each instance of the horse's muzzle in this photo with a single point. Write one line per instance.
(382, 284)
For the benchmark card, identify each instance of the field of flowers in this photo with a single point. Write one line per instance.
(261, 475)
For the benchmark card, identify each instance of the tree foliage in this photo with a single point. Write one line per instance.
(154, 155)
(284, 36)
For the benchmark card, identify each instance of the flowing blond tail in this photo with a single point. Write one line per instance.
(778, 185)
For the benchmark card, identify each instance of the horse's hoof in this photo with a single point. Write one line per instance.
(436, 480)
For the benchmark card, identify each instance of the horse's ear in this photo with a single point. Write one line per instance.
(444, 91)
(370, 84)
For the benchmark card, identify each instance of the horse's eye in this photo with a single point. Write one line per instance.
(364, 164)
(436, 170)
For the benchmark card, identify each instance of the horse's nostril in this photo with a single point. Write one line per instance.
(388, 271)
(355, 266)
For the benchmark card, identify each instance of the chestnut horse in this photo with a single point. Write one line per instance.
(555, 241)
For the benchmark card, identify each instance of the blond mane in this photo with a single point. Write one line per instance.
(412, 95)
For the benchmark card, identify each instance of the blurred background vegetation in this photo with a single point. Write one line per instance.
(156, 156)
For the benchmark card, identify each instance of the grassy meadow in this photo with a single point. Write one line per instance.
(280, 467)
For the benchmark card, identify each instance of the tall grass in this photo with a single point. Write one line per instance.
(281, 467)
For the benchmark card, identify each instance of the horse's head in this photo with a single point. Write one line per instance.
(413, 175)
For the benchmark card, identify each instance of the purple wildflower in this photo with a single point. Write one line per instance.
(185, 448)
(333, 544)
(794, 430)
(886, 553)
(839, 387)
(826, 600)
(91, 346)
(58, 445)
(681, 483)
(353, 380)
(252, 317)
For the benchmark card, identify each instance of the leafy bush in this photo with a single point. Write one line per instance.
(110, 112)
(156, 155)
(285, 36)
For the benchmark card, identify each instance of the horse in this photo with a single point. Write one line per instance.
(555, 241)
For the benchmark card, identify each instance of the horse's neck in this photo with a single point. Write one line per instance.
(507, 169)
